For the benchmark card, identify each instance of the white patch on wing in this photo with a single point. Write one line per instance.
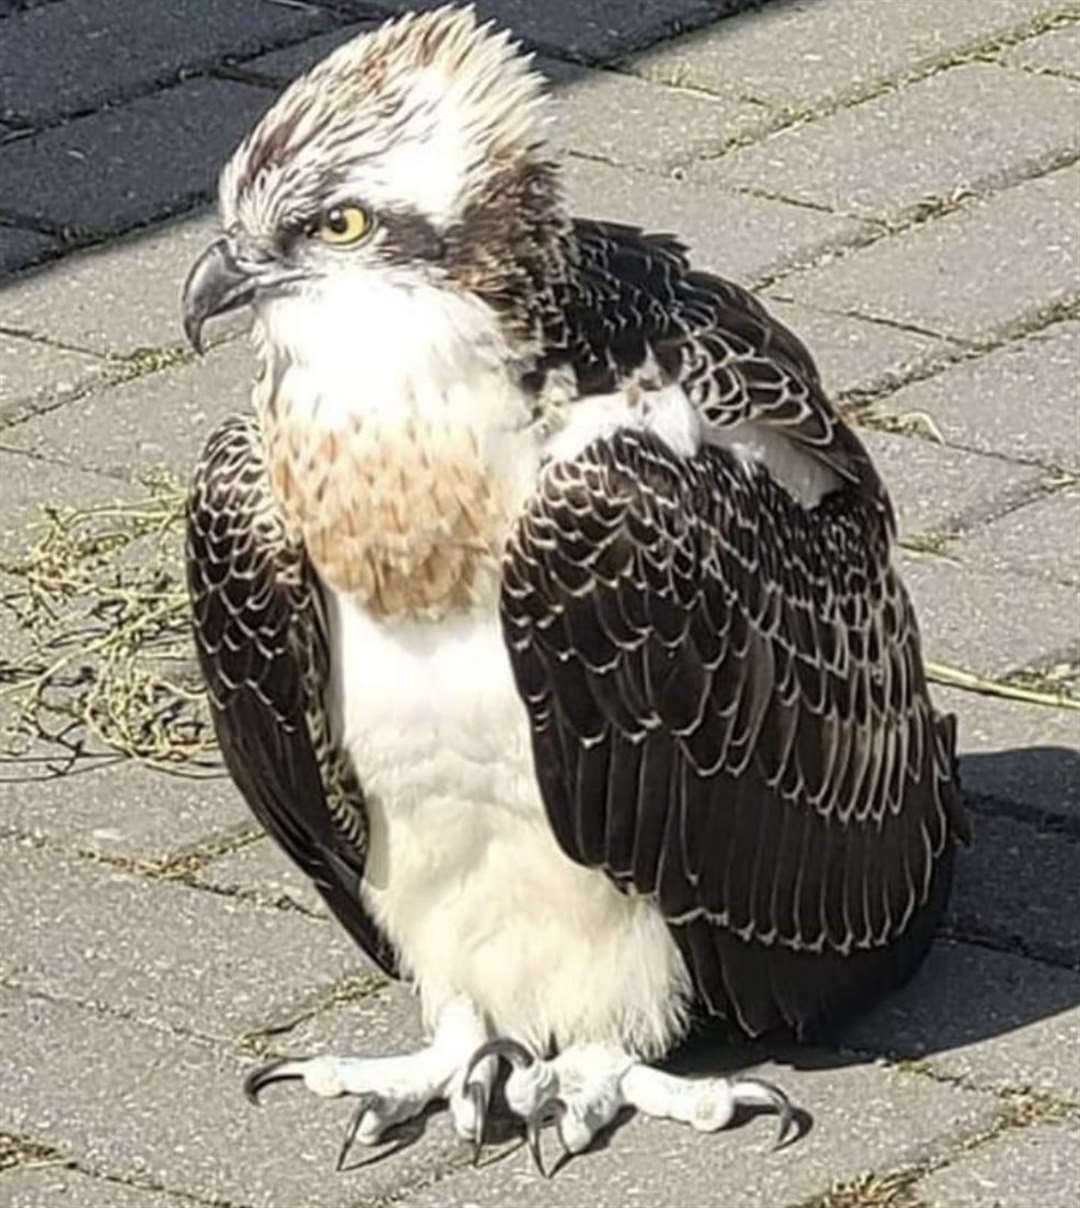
(667, 413)
(805, 477)
(463, 870)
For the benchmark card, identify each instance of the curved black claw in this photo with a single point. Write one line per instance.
(780, 1103)
(550, 1111)
(369, 1101)
(477, 1094)
(517, 1054)
(263, 1075)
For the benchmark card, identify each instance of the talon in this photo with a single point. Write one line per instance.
(263, 1075)
(550, 1111)
(517, 1054)
(774, 1097)
(477, 1096)
(368, 1101)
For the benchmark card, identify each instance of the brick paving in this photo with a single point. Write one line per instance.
(901, 183)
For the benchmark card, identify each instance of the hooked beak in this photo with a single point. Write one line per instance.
(216, 284)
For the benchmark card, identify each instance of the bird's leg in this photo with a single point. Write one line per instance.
(392, 1089)
(584, 1087)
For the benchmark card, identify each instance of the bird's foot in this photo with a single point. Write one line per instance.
(391, 1090)
(583, 1089)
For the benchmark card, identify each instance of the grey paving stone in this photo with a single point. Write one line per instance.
(832, 49)
(988, 623)
(262, 868)
(54, 1187)
(864, 1117)
(120, 297)
(1017, 754)
(997, 1020)
(852, 354)
(98, 52)
(938, 490)
(30, 369)
(900, 152)
(596, 31)
(1057, 51)
(141, 161)
(1022, 1167)
(134, 1102)
(745, 238)
(19, 248)
(976, 274)
(1018, 401)
(282, 66)
(1042, 538)
(160, 419)
(1017, 883)
(164, 954)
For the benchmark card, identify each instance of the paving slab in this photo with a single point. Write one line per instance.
(154, 156)
(119, 298)
(159, 419)
(938, 490)
(1022, 1167)
(1056, 52)
(1017, 884)
(262, 868)
(1017, 401)
(832, 49)
(133, 1102)
(985, 622)
(904, 151)
(854, 355)
(19, 248)
(30, 368)
(161, 952)
(977, 274)
(595, 32)
(125, 810)
(99, 52)
(1018, 755)
(996, 1020)
(52, 1186)
(744, 238)
(1041, 539)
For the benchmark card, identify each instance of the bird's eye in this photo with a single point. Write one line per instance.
(343, 225)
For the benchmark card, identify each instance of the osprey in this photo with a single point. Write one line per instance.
(546, 610)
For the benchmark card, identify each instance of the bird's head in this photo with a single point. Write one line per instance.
(409, 162)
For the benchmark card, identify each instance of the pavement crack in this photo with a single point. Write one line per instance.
(34, 337)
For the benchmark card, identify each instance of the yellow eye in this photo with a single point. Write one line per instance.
(343, 225)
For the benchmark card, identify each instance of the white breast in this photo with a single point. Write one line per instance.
(463, 871)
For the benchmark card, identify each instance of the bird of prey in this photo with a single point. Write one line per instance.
(546, 608)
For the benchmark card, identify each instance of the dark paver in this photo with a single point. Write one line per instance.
(19, 248)
(1015, 401)
(282, 66)
(938, 490)
(154, 156)
(31, 368)
(1042, 539)
(165, 954)
(1057, 51)
(134, 1102)
(745, 238)
(983, 272)
(832, 49)
(904, 151)
(1033, 1165)
(100, 51)
(118, 298)
(991, 1018)
(159, 419)
(602, 30)
(1017, 883)
(970, 617)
